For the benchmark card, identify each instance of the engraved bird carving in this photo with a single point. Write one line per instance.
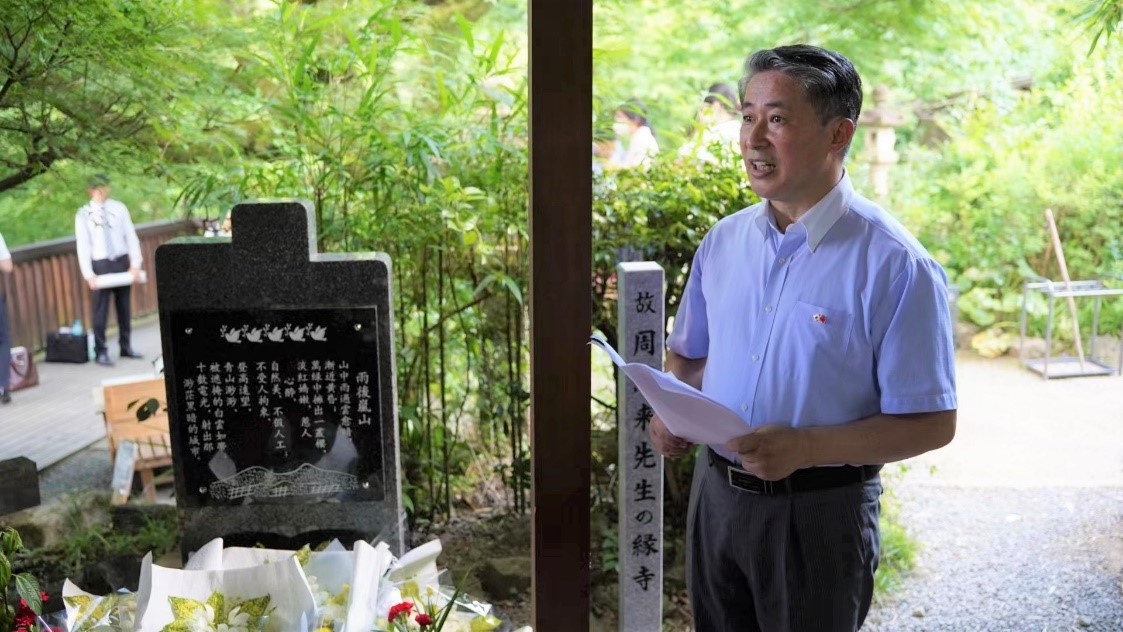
(232, 335)
(318, 333)
(297, 334)
(254, 335)
(276, 334)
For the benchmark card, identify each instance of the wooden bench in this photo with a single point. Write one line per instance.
(151, 436)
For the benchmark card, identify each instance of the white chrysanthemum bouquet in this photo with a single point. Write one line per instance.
(239, 589)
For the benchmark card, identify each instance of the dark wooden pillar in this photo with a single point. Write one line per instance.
(561, 136)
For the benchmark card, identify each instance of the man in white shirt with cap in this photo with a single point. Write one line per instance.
(107, 243)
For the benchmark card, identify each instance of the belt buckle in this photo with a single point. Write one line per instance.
(742, 480)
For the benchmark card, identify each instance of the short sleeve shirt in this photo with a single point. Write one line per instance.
(843, 316)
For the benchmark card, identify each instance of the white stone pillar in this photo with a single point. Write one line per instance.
(640, 329)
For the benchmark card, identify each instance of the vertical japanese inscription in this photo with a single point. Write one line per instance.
(640, 335)
(278, 405)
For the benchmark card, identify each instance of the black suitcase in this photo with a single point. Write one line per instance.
(66, 348)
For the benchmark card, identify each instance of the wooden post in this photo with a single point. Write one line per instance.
(1068, 285)
(561, 139)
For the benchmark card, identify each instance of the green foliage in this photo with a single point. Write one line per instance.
(660, 214)
(898, 549)
(1101, 18)
(44, 208)
(15, 586)
(80, 81)
(86, 543)
(922, 50)
(977, 201)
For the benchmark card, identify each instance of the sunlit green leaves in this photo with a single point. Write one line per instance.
(660, 214)
(977, 200)
(1101, 19)
(82, 81)
(921, 50)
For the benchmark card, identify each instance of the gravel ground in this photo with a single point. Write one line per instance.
(1031, 559)
(89, 468)
(1020, 518)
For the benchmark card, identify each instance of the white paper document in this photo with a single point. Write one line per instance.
(687, 412)
(119, 279)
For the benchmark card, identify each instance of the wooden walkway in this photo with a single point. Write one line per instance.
(59, 417)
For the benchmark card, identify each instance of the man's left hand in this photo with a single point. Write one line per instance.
(772, 452)
(136, 274)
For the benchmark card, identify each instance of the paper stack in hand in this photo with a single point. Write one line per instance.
(119, 279)
(686, 411)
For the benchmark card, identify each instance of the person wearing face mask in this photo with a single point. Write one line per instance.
(107, 242)
(824, 324)
(634, 131)
(719, 121)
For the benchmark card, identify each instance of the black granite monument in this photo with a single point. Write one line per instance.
(19, 484)
(281, 385)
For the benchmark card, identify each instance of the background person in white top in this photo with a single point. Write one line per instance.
(5, 338)
(719, 121)
(107, 243)
(633, 129)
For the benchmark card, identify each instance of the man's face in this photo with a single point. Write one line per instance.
(100, 193)
(789, 155)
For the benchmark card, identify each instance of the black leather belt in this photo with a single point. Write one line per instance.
(804, 480)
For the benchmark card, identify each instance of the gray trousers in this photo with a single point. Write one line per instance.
(797, 562)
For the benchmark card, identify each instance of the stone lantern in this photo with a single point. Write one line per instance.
(880, 124)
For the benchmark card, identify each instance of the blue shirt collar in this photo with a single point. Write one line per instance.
(818, 219)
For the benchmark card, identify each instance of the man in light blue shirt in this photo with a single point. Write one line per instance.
(825, 324)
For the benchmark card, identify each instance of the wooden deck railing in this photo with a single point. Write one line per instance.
(46, 289)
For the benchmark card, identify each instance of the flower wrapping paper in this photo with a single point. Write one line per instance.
(238, 588)
(290, 603)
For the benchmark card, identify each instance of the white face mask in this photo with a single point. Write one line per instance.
(622, 129)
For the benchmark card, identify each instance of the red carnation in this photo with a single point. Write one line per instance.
(403, 608)
(423, 620)
(25, 618)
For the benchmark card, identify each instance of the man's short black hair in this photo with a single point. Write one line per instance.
(829, 80)
(98, 180)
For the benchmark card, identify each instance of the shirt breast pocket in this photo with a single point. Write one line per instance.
(820, 327)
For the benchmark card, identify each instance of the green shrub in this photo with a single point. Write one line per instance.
(660, 214)
(977, 201)
(898, 548)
